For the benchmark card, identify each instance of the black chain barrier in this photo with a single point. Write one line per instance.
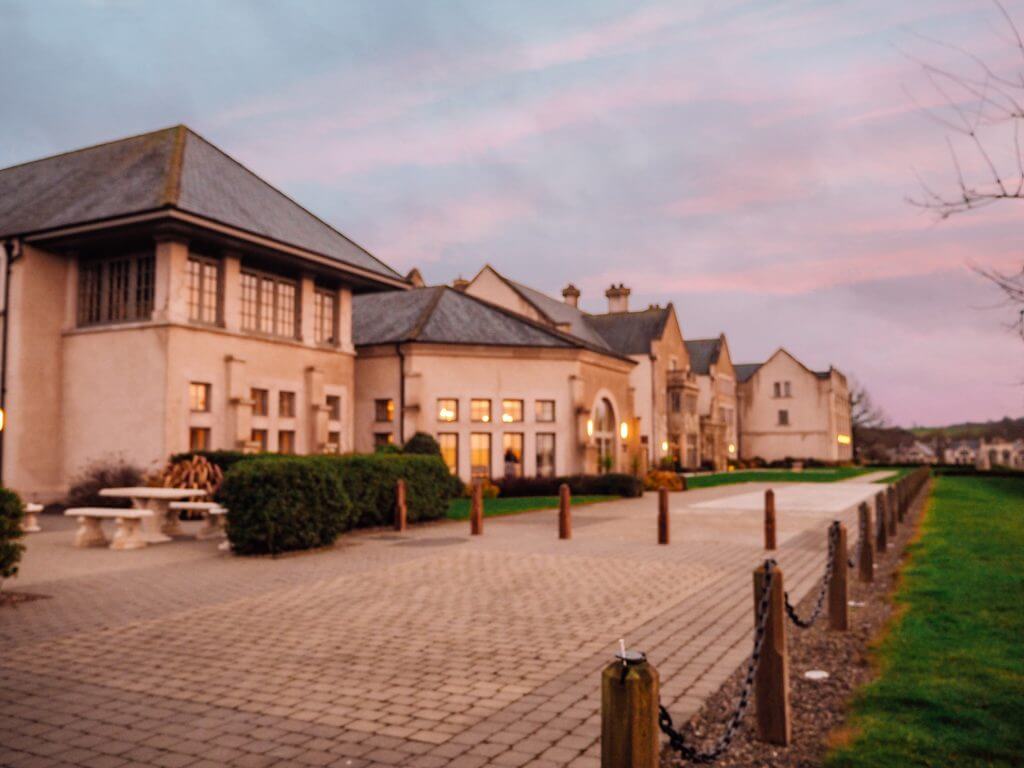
(676, 739)
(833, 540)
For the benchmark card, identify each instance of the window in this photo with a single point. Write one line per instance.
(511, 411)
(676, 399)
(199, 439)
(447, 409)
(449, 442)
(259, 437)
(480, 455)
(691, 403)
(604, 435)
(199, 396)
(286, 405)
(203, 289)
(268, 305)
(384, 410)
(545, 410)
(286, 441)
(115, 290)
(381, 439)
(785, 389)
(777, 389)
(783, 418)
(512, 448)
(334, 440)
(334, 407)
(260, 401)
(480, 410)
(545, 454)
(325, 326)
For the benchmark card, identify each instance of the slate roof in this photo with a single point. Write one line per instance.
(442, 315)
(703, 354)
(631, 333)
(173, 168)
(745, 370)
(578, 321)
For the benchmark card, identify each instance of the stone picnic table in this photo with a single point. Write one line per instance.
(164, 523)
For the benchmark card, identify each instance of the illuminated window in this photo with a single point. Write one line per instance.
(268, 304)
(259, 436)
(260, 401)
(334, 407)
(480, 410)
(116, 290)
(449, 442)
(545, 454)
(384, 410)
(511, 411)
(203, 289)
(325, 326)
(381, 439)
(199, 439)
(286, 441)
(286, 405)
(783, 418)
(480, 455)
(545, 410)
(199, 396)
(512, 448)
(447, 409)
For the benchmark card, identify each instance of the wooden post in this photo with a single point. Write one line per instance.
(564, 512)
(881, 540)
(904, 490)
(769, 519)
(401, 511)
(892, 503)
(838, 595)
(867, 546)
(629, 713)
(771, 684)
(663, 531)
(476, 510)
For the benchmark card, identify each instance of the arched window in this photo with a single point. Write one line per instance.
(604, 435)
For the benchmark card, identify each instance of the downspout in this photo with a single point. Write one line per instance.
(8, 262)
(401, 394)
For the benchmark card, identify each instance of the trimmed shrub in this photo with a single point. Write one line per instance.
(387, 448)
(104, 473)
(422, 443)
(490, 490)
(11, 511)
(279, 505)
(225, 460)
(611, 484)
(657, 479)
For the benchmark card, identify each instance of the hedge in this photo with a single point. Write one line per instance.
(267, 515)
(11, 511)
(611, 484)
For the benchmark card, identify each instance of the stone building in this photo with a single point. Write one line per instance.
(163, 298)
(786, 410)
(711, 363)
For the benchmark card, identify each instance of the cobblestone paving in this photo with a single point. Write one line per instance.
(428, 649)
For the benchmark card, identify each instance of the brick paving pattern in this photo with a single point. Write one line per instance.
(427, 649)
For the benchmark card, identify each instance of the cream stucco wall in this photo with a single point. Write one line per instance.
(489, 286)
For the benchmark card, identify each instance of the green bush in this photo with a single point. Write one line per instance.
(10, 531)
(611, 484)
(422, 443)
(223, 459)
(283, 504)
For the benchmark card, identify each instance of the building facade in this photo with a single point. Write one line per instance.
(712, 365)
(786, 410)
(163, 299)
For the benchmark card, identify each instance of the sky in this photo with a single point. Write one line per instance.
(750, 162)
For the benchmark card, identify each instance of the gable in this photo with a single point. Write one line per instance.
(490, 286)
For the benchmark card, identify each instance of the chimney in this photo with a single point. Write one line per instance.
(415, 278)
(460, 284)
(571, 294)
(618, 298)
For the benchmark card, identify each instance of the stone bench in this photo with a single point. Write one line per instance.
(213, 516)
(127, 535)
(29, 521)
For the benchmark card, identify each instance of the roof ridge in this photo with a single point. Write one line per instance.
(172, 187)
(428, 310)
(90, 147)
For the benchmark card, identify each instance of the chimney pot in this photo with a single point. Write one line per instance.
(571, 295)
(618, 298)
(460, 284)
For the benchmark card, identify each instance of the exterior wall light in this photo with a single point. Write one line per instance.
(590, 427)
(664, 446)
(732, 447)
(624, 430)
(843, 439)
(3, 419)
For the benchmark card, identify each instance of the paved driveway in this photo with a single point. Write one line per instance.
(427, 649)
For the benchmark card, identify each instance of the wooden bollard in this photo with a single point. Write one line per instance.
(838, 588)
(881, 540)
(771, 683)
(476, 510)
(891, 503)
(629, 713)
(904, 490)
(564, 512)
(401, 511)
(866, 562)
(769, 519)
(663, 531)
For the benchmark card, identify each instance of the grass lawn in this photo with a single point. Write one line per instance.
(951, 688)
(458, 509)
(829, 475)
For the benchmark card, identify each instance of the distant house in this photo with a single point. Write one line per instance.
(962, 452)
(915, 452)
(712, 364)
(787, 410)
(999, 452)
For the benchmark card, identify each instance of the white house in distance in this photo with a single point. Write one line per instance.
(786, 410)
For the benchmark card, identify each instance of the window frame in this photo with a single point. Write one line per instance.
(333, 413)
(783, 418)
(290, 433)
(275, 318)
(283, 396)
(261, 436)
(388, 404)
(202, 260)
(490, 410)
(554, 456)
(256, 399)
(319, 293)
(522, 410)
(441, 437)
(521, 464)
(207, 390)
(194, 445)
(455, 410)
(490, 456)
(98, 287)
(537, 414)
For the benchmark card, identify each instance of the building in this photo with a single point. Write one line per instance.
(712, 365)
(665, 390)
(163, 298)
(504, 394)
(786, 410)
(962, 452)
(915, 452)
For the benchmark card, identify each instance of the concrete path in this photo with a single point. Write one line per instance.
(427, 649)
